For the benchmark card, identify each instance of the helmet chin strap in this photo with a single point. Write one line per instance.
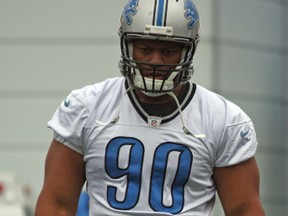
(184, 128)
(151, 94)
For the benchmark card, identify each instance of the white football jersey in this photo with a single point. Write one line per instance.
(138, 164)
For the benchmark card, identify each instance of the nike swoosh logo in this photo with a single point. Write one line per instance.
(67, 103)
(244, 133)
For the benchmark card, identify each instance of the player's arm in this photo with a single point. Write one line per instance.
(63, 182)
(238, 189)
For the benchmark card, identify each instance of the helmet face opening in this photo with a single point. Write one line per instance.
(168, 20)
(155, 78)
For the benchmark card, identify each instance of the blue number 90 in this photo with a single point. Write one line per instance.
(133, 174)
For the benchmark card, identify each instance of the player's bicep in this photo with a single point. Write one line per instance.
(64, 174)
(238, 186)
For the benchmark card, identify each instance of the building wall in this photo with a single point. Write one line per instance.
(48, 48)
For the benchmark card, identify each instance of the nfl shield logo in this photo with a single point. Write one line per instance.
(154, 121)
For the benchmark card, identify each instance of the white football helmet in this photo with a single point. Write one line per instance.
(168, 20)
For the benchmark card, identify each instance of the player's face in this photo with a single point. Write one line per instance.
(155, 52)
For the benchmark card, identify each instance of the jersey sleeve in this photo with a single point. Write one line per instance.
(238, 142)
(68, 122)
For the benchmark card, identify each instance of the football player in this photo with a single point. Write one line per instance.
(152, 142)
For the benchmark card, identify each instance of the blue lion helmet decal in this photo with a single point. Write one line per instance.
(129, 11)
(191, 13)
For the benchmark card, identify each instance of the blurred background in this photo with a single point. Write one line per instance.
(48, 48)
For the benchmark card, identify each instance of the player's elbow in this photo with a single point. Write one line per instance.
(48, 205)
(246, 208)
